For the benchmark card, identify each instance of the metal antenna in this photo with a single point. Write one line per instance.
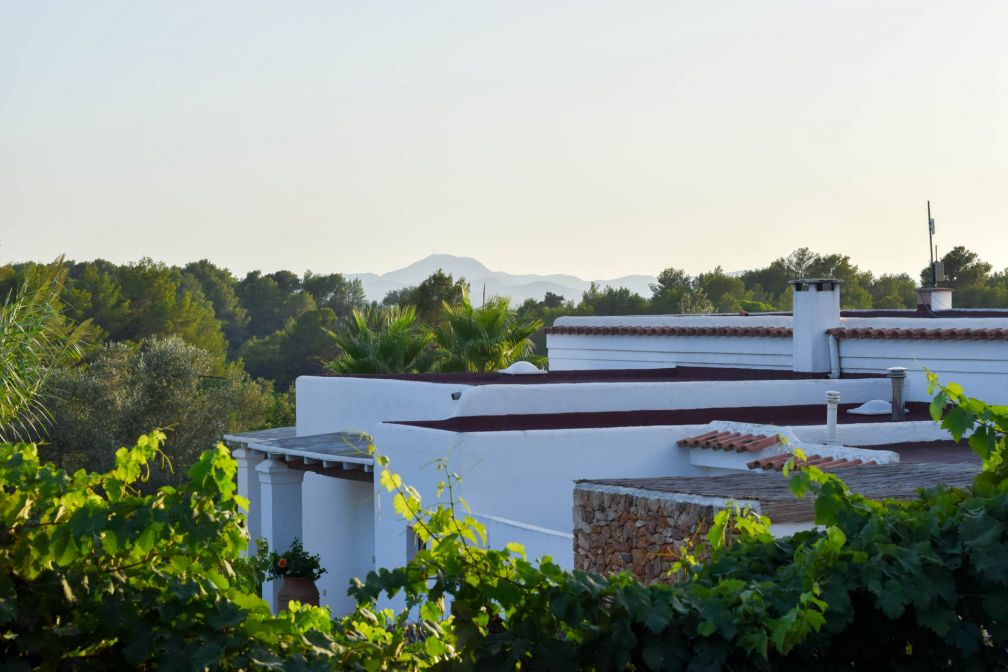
(931, 230)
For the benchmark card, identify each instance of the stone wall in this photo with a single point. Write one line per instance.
(618, 529)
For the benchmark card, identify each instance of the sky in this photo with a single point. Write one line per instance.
(597, 139)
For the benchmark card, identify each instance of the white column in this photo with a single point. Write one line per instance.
(281, 511)
(248, 487)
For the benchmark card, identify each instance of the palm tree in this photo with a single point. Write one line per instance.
(35, 339)
(488, 338)
(382, 340)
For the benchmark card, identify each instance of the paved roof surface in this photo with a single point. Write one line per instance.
(351, 447)
(897, 481)
(814, 414)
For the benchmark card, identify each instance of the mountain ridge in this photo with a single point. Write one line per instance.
(517, 287)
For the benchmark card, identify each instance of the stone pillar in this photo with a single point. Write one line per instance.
(248, 487)
(281, 511)
(816, 308)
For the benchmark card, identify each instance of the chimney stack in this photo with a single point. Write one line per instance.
(816, 308)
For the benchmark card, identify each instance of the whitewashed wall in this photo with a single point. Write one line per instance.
(338, 524)
(981, 367)
(580, 352)
(538, 541)
(524, 478)
(597, 397)
(336, 404)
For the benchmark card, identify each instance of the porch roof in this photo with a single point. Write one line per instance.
(340, 454)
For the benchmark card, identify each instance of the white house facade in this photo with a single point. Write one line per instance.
(625, 398)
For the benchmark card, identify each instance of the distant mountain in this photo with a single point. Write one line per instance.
(516, 287)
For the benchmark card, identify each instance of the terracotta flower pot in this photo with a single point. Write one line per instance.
(297, 588)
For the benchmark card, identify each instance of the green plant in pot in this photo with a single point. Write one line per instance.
(297, 570)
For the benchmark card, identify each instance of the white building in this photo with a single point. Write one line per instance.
(620, 396)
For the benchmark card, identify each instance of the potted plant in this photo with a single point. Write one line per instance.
(297, 570)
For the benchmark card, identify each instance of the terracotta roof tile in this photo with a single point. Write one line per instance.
(777, 463)
(751, 332)
(918, 334)
(736, 441)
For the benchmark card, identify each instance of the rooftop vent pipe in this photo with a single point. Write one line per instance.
(832, 400)
(897, 374)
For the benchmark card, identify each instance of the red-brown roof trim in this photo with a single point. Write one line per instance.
(921, 334)
(751, 332)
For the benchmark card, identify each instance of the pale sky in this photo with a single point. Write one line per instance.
(598, 139)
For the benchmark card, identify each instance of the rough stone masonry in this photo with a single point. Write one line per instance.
(618, 529)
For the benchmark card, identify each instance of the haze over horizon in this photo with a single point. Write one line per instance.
(580, 138)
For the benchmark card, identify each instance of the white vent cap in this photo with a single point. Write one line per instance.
(522, 369)
(873, 407)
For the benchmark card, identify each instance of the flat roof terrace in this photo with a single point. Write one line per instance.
(666, 375)
(896, 481)
(812, 414)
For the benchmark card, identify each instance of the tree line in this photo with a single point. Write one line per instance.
(281, 325)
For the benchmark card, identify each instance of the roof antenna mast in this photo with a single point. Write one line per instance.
(931, 249)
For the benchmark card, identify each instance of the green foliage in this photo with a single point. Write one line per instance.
(272, 300)
(296, 350)
(488, 338)
(335, 292)
(169, 383)
(985, 426)
(95, 575)
(730, 524)
(963, 270)
(675, 293)
(220, 288)
(429, 297)
(35, 340)
(162, 303)
(295, 561)
(612, 301)
(382, 340)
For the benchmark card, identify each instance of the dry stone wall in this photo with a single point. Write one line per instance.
(617, 529)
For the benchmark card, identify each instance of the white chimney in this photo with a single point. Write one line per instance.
(816, 308)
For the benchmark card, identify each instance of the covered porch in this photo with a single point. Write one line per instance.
(319, 489)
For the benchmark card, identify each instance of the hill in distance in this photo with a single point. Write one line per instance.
(516, 287)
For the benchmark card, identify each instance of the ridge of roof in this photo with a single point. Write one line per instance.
(918, 334)
(751, 332)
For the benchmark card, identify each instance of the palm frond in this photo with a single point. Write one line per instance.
(35, 339)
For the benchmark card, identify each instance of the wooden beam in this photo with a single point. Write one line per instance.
(332, 471)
